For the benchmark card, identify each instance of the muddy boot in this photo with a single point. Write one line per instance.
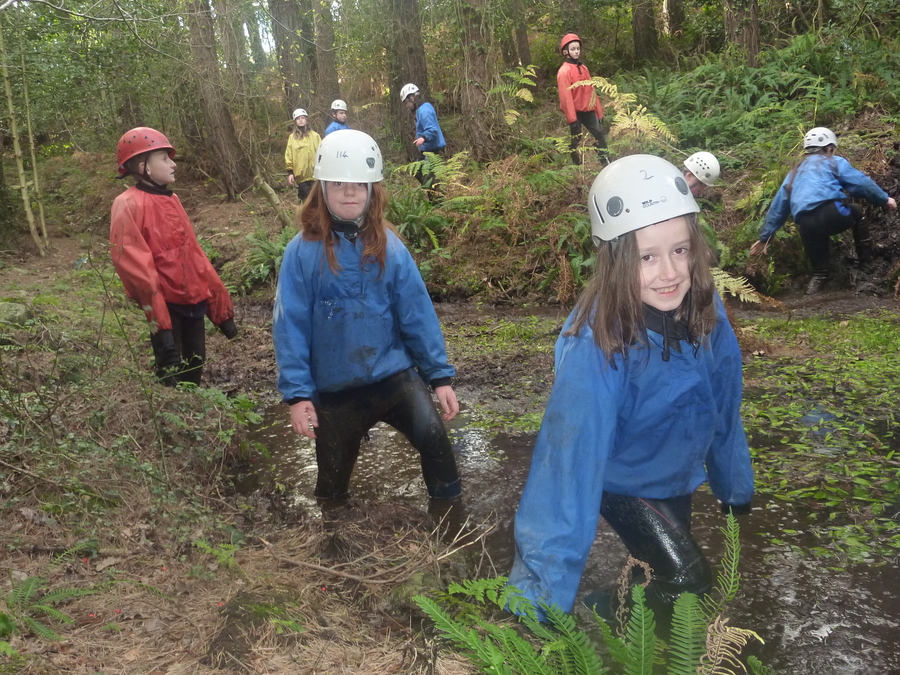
(817, 282)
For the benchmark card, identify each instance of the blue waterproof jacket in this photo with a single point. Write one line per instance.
(336, 126)
(428, 128)
(647, 428)
(818, 179)
(334, 331)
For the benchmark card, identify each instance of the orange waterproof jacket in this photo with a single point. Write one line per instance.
(579, 98)
(157, 256)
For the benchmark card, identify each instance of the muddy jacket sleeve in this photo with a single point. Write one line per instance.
(292, 327)
(728, 460)
(858, 184)
(133, 261)
(416, 319)
(556, 521)
(778, 213)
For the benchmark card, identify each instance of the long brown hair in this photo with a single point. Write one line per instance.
(611, 304)
(314, 221)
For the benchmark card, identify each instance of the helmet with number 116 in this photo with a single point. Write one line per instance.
(634, 192)
(349, 156)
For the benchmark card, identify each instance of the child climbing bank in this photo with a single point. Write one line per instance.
(580, 105)
(157, 256)
(815, 193)
(429, 136)
(646, 402)
(357, 339)
(300, 154)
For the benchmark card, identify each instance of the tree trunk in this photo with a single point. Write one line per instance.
(327, 87)
(572, 18)
(643, 26)
(233, 163)
(234, 46)
(673, 17)
(257, 53)
(17, 149)
(406, 63)
(34, 165)
(742, 26)
(293, 32)
(521, 32)
(475, 77)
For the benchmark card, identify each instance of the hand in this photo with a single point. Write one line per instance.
(304, 418)
(290, 179)
(449, 404)
(229, 329)
(891, 203)
(418, 142)
(759, 247)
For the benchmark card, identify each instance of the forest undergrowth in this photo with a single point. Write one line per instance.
(118, 487)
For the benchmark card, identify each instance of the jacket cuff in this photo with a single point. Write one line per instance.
(441, 382)
(736, 509)
(297, 399)
(290, 172)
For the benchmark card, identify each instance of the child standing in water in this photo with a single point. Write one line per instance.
(300, 154)
(813, 194)
(357, 339)
(646, 402)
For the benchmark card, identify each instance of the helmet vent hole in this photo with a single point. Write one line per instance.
(371, 162)
(681, 184)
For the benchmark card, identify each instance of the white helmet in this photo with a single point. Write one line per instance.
(299, 112)
(704, 166)
(349, 155)
(819, 138)
(338, 104)
(634, 192)
(407, 90)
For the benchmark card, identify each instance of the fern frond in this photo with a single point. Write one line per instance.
(62, 594)
(511, 117)
(525, 94)
(735, 286)
(688, 639)
(615, 645)
(52, 612)
(723, 646)
(640, 636)
(21, 595)
(40, 629)
(757, 667)
(728, 579)
(572, 649)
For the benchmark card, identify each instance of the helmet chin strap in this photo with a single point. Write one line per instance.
(357, 221)
(145, 176)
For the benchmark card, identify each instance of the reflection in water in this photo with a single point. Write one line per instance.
(814, 619)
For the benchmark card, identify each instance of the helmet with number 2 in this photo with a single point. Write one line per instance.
(634, 192)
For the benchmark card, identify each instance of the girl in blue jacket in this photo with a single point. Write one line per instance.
(646, 401)
(429, 136)
(813, 193)
(356, 336)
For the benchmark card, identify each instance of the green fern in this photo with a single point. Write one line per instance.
(640, 636)
(26, 601)
(688, 640)
(728, 578)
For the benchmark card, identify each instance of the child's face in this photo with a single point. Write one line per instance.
(160, 167)
(665, 263)
(301, 121)
(694, 183)
(346, 201)
(340, 116)
(574, 49)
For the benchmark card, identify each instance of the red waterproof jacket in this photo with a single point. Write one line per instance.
(157, 256)
(579, 98)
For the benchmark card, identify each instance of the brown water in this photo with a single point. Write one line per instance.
(814, 619)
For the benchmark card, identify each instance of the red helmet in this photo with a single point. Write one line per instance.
(138, 141)
(567, 38)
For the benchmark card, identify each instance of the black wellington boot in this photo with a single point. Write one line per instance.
(817, 282)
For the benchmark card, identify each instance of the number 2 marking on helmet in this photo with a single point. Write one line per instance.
(646, 177)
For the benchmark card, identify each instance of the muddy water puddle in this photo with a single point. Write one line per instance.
(814, 618)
